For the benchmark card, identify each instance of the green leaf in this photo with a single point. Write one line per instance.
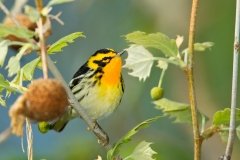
(32, 13)
(18, 31)
(57, 46)
(180, 111)
(3, 85)
(27, 71)
(29, 68)
(200, 46)
(155, 40)
(13, 66)
(117, 146)
(142, 151)
(203, 46)
(224, 133)
(55, 2)
(140, 61)
(10, 87)
(4, 49)
(14, 62)
(162, 64)
(223, 117)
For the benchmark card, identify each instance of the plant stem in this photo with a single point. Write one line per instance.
(161, 78)
(6, 11)
(189, 74)
(232, 129)
(39, 5)
(43, 48)
(5, 134)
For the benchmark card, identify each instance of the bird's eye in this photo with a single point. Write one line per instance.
(106, 58)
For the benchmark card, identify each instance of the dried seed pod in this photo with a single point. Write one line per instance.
(17, 119)
(45, 100)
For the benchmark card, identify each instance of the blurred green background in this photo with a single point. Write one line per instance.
(104, 22)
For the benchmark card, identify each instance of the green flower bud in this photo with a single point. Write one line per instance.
(157, 93)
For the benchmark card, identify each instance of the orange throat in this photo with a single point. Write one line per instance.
(112, 72)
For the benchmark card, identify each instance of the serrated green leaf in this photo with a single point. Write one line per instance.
(140, 61)
(180, 111)
(55, 2)
(27, 71)
(13, 66)
(32, 13)
(29, 68)
(223, 117)
(4, 49)
(117, 146)
(57, 46)
(155, 40)
(143, 151)
(18, 31)
(14, 62)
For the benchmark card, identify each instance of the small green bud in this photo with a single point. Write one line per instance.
(43, 127)
(157, 93)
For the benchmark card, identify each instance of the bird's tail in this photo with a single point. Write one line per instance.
(59, 124)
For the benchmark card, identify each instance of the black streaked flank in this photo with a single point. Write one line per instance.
(94, 83)
(77, 91)
(80, 99)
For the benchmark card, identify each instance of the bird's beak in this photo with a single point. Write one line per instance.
(120, 53)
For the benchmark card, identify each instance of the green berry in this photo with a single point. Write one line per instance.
(157, 93)
(43, 127)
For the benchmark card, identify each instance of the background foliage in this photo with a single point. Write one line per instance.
(103, 22)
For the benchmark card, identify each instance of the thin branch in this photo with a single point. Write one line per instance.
(42, 47)
(232, 129)
(56, 17)
(39, 5)
(102, 136)
(189, 73)
(5, 134)
(6, 11)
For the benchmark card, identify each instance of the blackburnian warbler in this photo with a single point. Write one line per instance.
(97, 85)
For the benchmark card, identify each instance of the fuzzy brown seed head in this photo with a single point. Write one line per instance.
(46, 100)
